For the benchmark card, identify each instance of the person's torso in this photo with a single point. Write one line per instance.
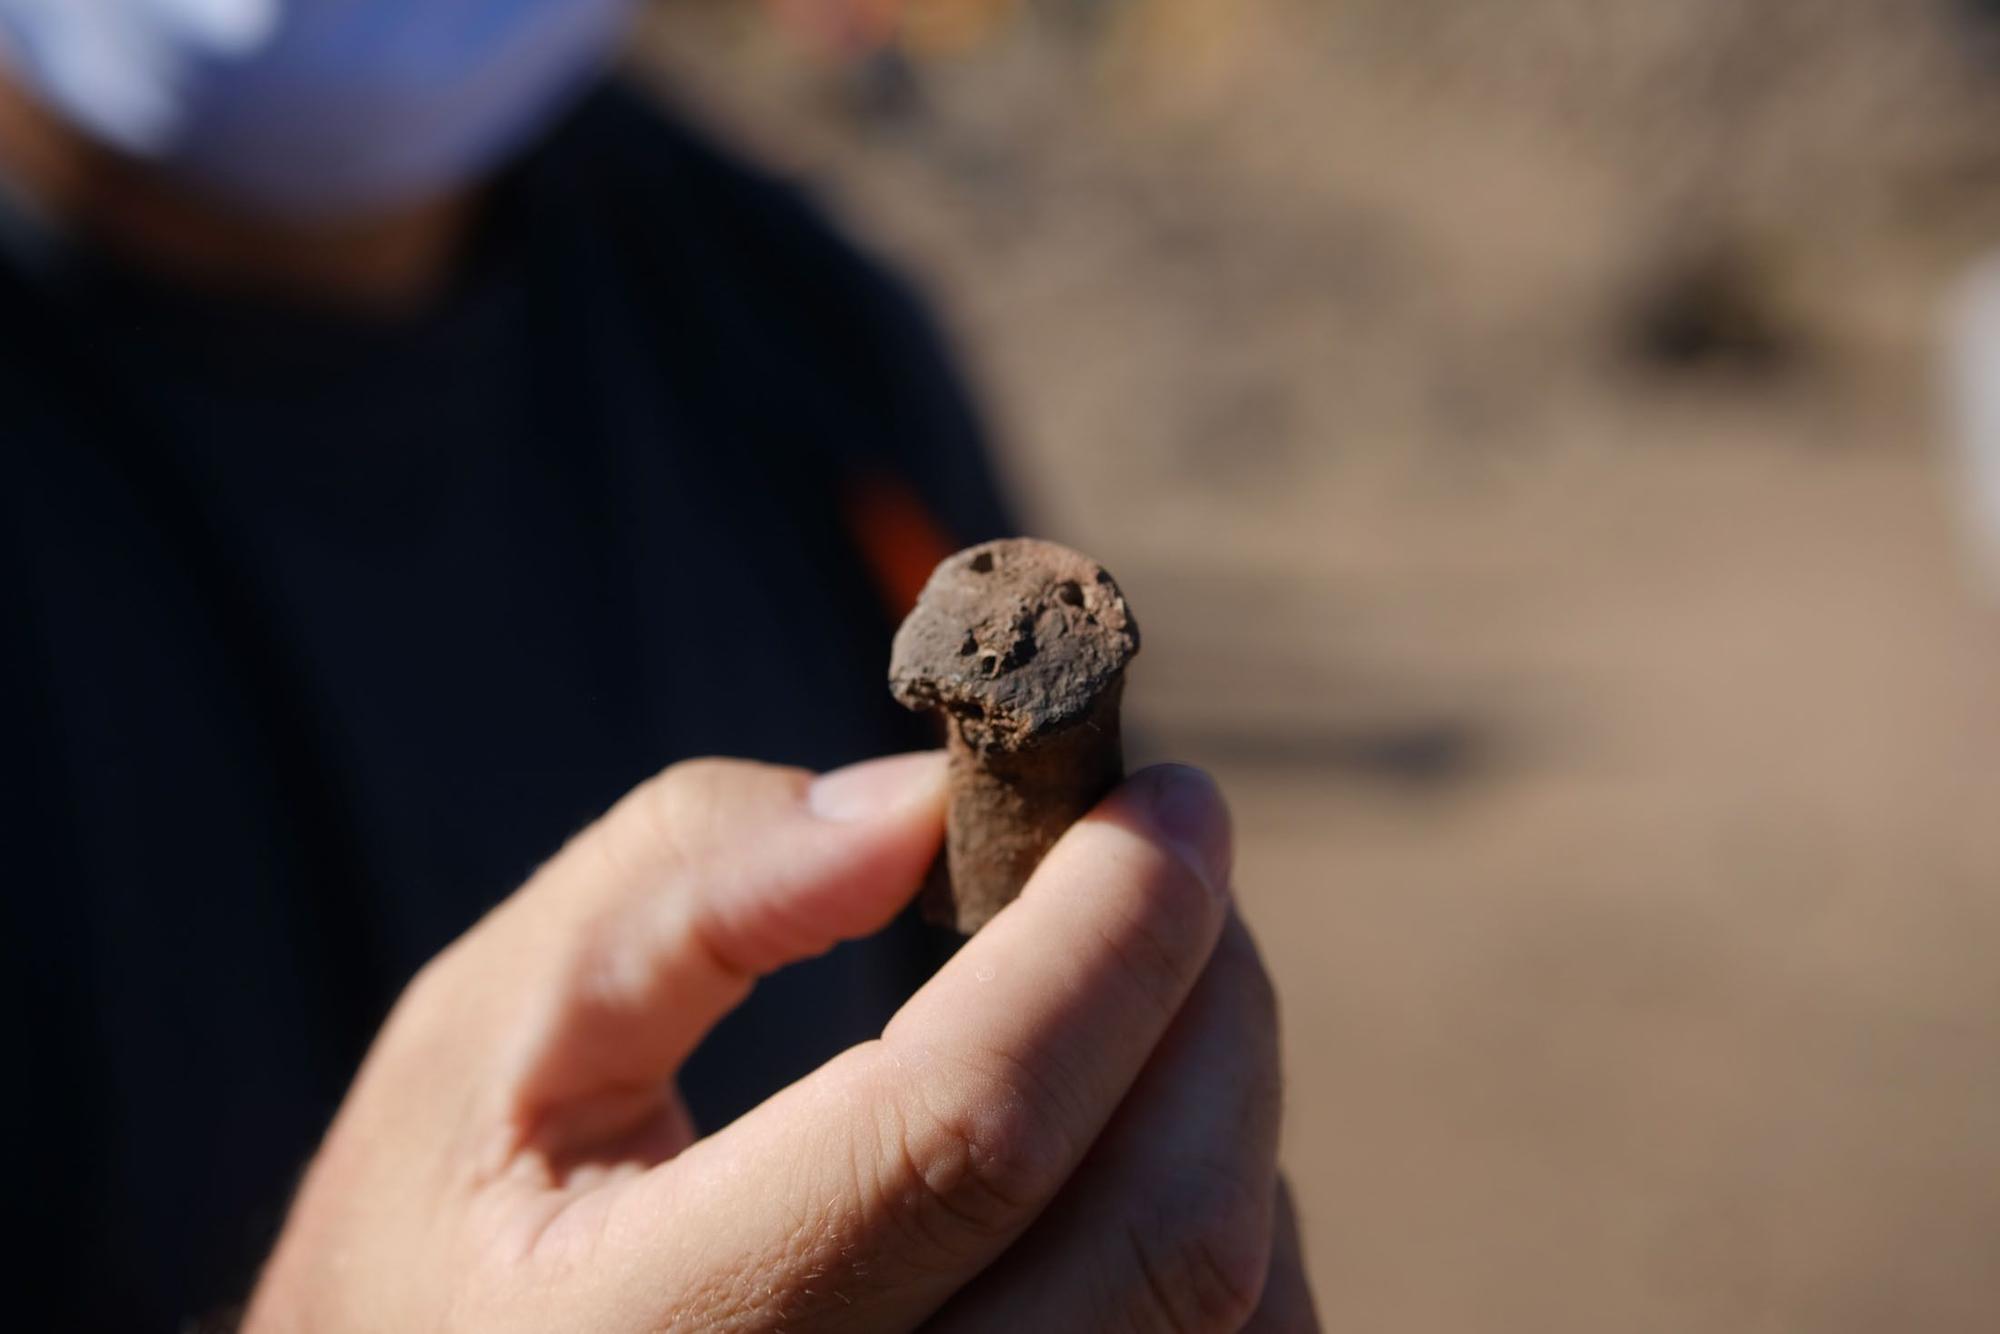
(321, 638)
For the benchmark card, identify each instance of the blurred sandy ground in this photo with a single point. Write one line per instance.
(1516, 426)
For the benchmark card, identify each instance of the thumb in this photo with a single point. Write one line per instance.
(602, 974)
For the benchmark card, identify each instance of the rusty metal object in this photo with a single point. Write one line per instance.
(1022, 646)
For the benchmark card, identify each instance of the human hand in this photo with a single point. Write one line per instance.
(1072, 1126)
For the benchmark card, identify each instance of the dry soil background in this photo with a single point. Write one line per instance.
(1515, 425)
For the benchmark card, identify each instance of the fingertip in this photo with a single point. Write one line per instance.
(880, 788)
(848, 856)
(1184, 810)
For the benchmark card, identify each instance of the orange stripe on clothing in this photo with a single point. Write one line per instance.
(900, 541)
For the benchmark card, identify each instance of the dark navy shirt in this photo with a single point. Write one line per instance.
(320, 634)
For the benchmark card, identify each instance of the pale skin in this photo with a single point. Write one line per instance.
(1073, 1126)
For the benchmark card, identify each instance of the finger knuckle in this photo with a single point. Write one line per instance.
(706, 802)
(678, 794)
(1200, 1256)
(644, 828)
(971, 1165)
(665, 820)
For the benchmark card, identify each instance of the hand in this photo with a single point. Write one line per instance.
(1071, 1127)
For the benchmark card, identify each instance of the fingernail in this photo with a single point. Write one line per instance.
(1187, 809)
(874, 788)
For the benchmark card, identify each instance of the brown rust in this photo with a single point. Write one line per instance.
(1022, 646)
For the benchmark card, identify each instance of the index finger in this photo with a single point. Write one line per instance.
(893, 1175)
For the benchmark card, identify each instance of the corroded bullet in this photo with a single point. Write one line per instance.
(1022, 646)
